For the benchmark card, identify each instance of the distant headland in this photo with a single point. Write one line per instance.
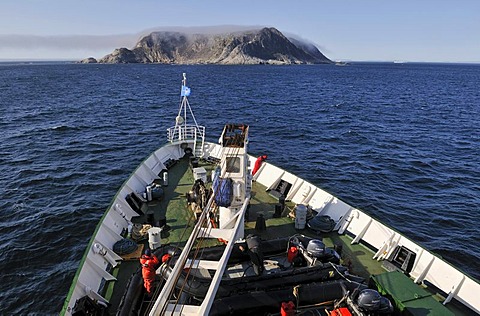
(261, 46)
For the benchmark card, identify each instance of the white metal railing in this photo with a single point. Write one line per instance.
(427, 267)
(183, 133)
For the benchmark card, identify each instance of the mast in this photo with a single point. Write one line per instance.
(182, 131)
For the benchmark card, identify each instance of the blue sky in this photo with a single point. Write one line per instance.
(371, 30)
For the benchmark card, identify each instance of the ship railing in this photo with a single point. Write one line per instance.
(428, 268)
(185, 133)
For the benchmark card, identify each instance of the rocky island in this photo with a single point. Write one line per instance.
(263, 46)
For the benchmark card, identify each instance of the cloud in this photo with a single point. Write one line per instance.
(66, 42)
(323, 49)
(82, 46)
(217, 29)
(96, 42)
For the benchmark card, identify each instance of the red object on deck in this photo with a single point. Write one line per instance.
(258, 163)
(166, 257)
(342, 311)
(287, 309)
(292, 253)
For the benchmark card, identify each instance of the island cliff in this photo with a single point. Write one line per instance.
(264, 46)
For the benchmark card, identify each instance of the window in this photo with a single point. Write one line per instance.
(233, 164)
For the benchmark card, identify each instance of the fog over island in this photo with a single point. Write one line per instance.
(96, 46)
(265, 45)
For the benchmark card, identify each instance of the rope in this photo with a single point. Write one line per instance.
(195, 234)
(296, 294)
(124, 246)
(198, 247)
(343, 276)
(139, 231)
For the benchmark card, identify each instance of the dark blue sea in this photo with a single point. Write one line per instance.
(399, 141)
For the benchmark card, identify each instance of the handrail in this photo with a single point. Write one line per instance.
(186, 132)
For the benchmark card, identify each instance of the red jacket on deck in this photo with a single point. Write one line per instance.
(258, 163)
(148, 270)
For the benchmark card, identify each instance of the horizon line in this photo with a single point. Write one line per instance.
(395, 61)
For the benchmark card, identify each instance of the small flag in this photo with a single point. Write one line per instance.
(185, 91)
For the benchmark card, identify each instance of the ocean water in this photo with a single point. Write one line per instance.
(399, 141)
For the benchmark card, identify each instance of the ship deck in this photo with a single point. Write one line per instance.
(358, 257)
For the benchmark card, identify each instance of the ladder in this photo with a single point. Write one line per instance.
(165, 306)
(199, 142)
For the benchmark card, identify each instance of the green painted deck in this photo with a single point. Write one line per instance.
(408, 297)
(181, 220)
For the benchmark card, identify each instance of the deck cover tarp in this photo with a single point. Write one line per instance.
(407, 296)
(223, 191)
